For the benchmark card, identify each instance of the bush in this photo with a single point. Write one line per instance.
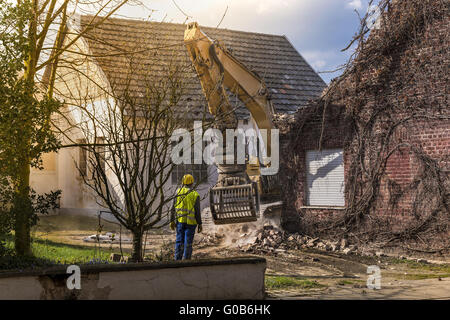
(5, 229)
(41, 204)
(165, 253)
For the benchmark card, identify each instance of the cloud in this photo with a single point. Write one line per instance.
(318, 64)
(355, 4)
(267, 6)
(322, 60)
(318, 29)
(327, 61)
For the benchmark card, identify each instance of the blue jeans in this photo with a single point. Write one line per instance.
(184, 240)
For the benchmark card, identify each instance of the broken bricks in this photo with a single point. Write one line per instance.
(273, 240)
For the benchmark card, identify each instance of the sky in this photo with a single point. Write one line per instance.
(318, 29)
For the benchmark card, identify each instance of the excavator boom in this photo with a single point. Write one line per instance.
(235, 197)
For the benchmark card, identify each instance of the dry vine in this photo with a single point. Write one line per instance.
(394, 86)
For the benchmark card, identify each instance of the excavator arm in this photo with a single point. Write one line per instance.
(218, 69)
(235, 197)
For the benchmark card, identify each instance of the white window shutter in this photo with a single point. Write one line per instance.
(325, 177)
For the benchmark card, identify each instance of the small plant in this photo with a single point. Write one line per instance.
(283, 282)
(166, 253)
(348, 282)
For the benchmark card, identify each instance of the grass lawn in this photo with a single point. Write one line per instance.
(48, 253)
(56, 239)
(442, 268)
(282, 282)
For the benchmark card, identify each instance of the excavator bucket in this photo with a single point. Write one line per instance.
(234, 204)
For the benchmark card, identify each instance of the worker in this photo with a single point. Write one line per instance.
(186, 208)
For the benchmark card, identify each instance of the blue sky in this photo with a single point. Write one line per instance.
(318, 29)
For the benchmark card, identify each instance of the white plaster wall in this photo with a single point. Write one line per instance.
(209, 282)
(20, 288)
(71, 86)
(204, 282)
(77, 197)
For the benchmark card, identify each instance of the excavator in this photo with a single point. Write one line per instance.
(236, 196)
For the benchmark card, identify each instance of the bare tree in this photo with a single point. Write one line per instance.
(126, 123)
(128, 151)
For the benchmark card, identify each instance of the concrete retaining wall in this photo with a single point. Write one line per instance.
(238, 278)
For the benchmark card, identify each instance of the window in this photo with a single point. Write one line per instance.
(82, 158)
(100, 151)
(325, 177)
(198, 171)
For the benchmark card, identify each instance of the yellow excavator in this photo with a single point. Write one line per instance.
(236, 196)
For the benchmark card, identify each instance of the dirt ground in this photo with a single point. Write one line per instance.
(345, 276)
(338, 276)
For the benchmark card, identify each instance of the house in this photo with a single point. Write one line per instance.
(372, 156)
(103, 58)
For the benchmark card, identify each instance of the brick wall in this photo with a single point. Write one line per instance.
(295, 143)
(403, 168)
(418, 82)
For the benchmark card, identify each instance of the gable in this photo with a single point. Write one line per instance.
(148, 47)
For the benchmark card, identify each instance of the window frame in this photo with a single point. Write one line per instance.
(341, 202)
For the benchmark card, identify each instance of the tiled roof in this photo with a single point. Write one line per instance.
(291, 81)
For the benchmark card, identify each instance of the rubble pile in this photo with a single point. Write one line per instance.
(208, 239)
(273, 240)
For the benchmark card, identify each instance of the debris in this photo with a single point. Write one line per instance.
(267, 226)
(109, 237)
(380, 254)
(211, 239)
(422, 261)
(334, 246)
(270, 239)
(115, 257)
(125, 259)
(368, 253)
(346, 251)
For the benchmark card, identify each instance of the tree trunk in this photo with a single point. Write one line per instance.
(22, 211)
(137, 254)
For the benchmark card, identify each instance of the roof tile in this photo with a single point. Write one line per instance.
(289, 77)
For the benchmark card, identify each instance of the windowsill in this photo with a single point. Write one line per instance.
(324, 207)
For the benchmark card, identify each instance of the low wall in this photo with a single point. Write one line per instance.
(236, 278)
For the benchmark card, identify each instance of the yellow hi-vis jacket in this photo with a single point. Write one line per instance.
(185, 205)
